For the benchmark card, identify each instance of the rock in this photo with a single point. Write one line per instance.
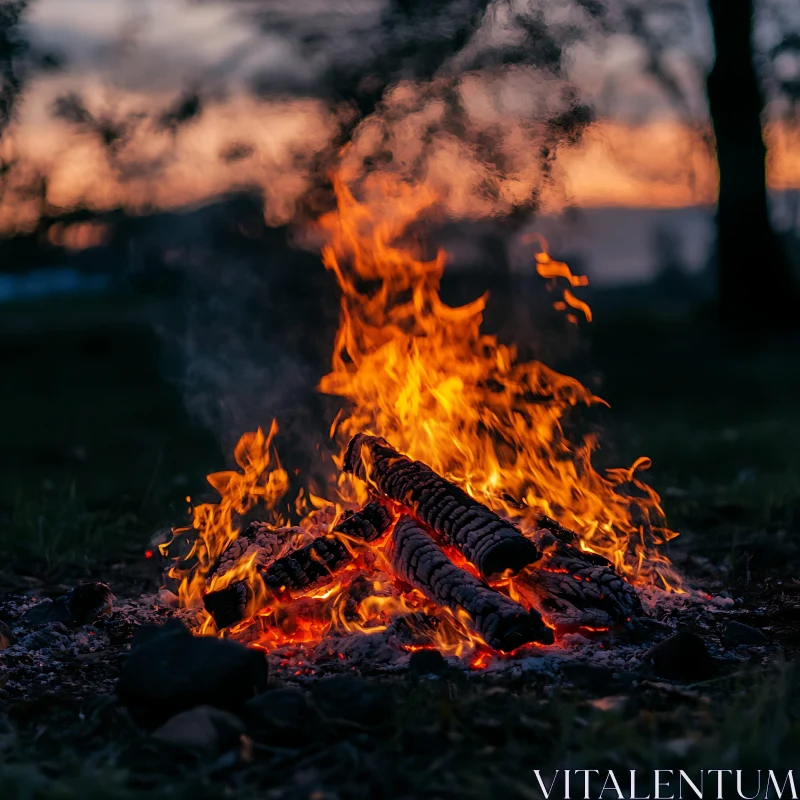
(353, 700)
(204, 730)
(682, 657)
(427, 662)
(88, 602)
(169, 671)
(282, 716)
(168, 598)
(48, 611)
(587, 676)
(146, 635)
(83, 605)
(7, 637)
(737, 633)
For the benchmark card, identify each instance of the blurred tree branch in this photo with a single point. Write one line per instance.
(12, 49)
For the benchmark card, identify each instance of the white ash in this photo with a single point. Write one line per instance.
(57, 658)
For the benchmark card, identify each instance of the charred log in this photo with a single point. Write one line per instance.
(501, 622)
(305, 568)
(317, 561)
(229, 605)
(576, 588)
(258, 539)
(488, 541)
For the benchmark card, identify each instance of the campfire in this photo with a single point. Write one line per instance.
(458, 513)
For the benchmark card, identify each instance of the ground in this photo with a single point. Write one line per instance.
(100, 455)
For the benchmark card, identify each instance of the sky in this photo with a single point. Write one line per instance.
(130, 59)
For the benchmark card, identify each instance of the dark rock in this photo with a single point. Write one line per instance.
(353, 700)
(282, 716)
(48, 611)
(146, 635)
(82, 605)
(429, 741)
(737, 633)
(88, 602)
(587, 676)
(204, 730)
(7, 637)
(682, 657)
(169, 671)
(427, 662)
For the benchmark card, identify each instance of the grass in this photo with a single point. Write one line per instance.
(98, 449)
(54, 531)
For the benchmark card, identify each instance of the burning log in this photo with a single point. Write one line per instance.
(577, 588)
(488, 541)
(316, 561)
(265, 541)
(304, 568)
(501, 622)
(229, 605)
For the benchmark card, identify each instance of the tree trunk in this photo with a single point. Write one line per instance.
(756, 286)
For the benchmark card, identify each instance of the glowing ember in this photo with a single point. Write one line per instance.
(423, 376)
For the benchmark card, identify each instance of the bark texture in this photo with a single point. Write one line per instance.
(303, 569)
(314, 563)
(576, 588)
(488, 541)
(500, 621)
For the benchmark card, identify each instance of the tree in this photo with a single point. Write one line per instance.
(11, 48)
(756, 285)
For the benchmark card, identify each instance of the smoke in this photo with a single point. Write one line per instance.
(246, 335)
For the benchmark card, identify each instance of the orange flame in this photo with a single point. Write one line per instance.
(216, 523)
(421, 374)
(547, 268)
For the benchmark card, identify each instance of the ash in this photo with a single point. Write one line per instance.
(48, 654)
(45, 651)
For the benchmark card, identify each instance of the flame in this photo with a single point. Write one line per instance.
(481, 659)
(424, 376)
(548, 268)
(261, 480)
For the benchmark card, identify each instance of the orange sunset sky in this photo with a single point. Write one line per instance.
(658, 161)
